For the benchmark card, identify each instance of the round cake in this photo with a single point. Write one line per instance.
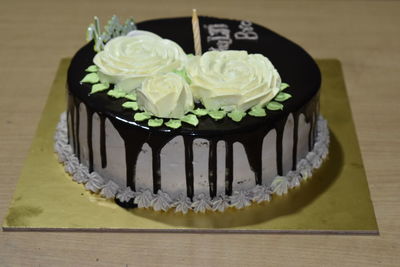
(211, 159)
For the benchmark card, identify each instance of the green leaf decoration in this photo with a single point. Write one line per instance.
(282, 97)
(274, 106)
(92, 68)
(116, 93)
(98, 87)
(217, 114)
(155, 122)
(200, 112)
(190, 119)
(236, 115)
(174, 124)
(141, 116)
(131, 105)
(131, 96)
(284, 86)
(183, 74)
(91, 78)
(257, 111)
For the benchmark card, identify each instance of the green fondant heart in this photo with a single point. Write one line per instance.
(200, 112)
(282, 97)
(92, 68)
(91, 78)
(174, 124)
(257, 111)
(131, 105)
(116, 93)
(236, 115)
(284, 86)
(217, 114)
(274, 106)
(190, 119)
(155, 122)
(131, 96)
(98, 87)
(141, 116)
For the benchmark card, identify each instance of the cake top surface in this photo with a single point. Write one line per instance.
(295, 67)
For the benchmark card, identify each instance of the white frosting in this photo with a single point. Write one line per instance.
(232, 79)
(165, 95)
(109, 190)
(127, 60)
(220, 204)
(81, 175)
(183, 204)
(240, 199)
(280, 185)
(95, 183)
(304, 168)
(143, 199)
(201, 203)
(163, 201)
(71, 164)
(260, 194)
(295, 178)
(125, 195)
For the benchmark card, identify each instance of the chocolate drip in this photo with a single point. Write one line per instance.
(156, 171)
(130, 161)
(71, 110)
(212, 167)
(89, 114)
(295, 139)
(133, 147)
(279, 145)
(78, 148)
(157, 142)
(253, 147)
(103, 150)
(229, 168)
(188, 141)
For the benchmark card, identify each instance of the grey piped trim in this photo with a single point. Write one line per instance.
(202, 202)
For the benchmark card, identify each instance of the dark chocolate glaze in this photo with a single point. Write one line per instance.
(89, 114)
(295, 139)
(212, 167)
(76, 104)
(295, 66)
(188, 141)
(103, 149)
(229, 167)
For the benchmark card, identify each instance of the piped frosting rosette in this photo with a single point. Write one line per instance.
(165, 96)
(127, 61)
(167, 81)
(232, 80)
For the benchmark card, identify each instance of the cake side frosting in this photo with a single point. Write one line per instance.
(145, 198)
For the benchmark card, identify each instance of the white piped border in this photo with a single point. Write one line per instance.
(162, 201)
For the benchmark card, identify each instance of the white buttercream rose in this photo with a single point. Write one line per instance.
(165, 96)
(127, 60)
(232, 79)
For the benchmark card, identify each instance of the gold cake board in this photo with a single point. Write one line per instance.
(335, 200)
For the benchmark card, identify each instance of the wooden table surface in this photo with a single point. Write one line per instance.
(364, 35)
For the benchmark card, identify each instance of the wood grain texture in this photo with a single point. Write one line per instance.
(364, 35)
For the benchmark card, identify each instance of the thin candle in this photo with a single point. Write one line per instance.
(196, 33)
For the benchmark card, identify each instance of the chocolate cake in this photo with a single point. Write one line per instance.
(213, 163)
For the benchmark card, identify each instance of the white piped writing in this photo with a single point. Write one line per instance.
(246, 31)
(219, 34)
